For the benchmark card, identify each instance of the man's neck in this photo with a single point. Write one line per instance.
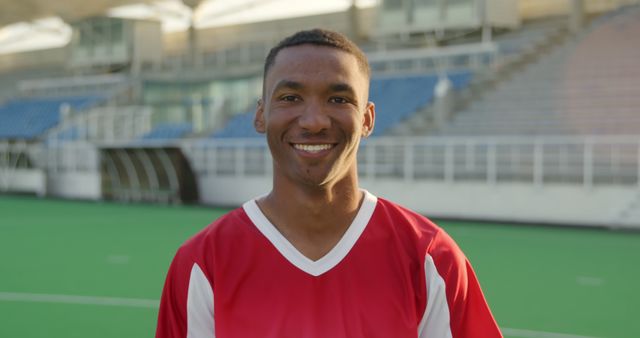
(313, 219)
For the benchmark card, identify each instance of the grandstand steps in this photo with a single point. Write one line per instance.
(541, 104)
(507, 116)
(540, 37)
(569, 113)
(554, 39)
(545, 126)
(542, 121)
(566, 90)
(538, 129)
(417, 124)
(533, 84)
(489, 84)
(539, 92)
(529, 38)
(548, 123)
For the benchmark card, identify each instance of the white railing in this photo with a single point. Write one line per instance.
(19, 170)
(586, 161)
(74, 156)
(68, 157)
(575, 161)
(431, 59)
(571, 160)
(110, 123)
(467, 56)
(229, 157)
(92, 83)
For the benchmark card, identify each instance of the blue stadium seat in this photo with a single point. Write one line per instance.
(69, 134)
(239, 126)
(168, 131)
(397, 98)
(28, 118)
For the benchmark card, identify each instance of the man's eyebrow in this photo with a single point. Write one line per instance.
(287, 84)
(342, 87)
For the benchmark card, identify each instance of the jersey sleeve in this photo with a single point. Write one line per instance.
(456, 306)
(186, 306)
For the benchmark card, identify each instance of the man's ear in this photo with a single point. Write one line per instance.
(258, 119)
(369, 119)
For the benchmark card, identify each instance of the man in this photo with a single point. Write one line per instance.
(318, 256)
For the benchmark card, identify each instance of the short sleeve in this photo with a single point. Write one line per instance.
(456, 306)
(172, 317)
(186, 306)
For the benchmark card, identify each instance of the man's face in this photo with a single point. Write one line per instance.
(314, 112)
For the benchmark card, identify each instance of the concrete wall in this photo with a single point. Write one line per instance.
(23, 181)
(75, 185)
(39, 59)
(561, 204)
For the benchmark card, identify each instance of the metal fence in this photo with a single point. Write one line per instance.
(587, 161)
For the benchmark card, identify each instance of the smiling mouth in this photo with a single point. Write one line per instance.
(312, 148)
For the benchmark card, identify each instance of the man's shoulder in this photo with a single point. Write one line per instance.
(425, 234)
(399, 214)
(218, 239)
(231, 224)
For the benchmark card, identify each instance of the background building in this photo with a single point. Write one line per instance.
(487, 109)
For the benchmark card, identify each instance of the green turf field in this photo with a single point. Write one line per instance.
(83, 269)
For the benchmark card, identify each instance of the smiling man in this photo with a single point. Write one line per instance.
(318, 256)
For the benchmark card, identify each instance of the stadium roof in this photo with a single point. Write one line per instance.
(35, 24)
(14, 11)
(27, 10)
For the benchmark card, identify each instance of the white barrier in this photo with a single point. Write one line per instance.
(568, 180)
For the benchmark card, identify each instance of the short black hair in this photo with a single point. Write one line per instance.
(319, 37)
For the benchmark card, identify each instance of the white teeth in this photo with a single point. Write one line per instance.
(312, 148)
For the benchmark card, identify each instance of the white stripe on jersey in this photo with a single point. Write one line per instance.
(435, 321)
(295, 257)
(200, 322)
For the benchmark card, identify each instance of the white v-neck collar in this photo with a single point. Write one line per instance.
(295, 257)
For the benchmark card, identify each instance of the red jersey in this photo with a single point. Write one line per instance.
(393, 274)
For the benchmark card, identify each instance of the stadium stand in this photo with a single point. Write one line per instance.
(69, 134)
(568, 91)
(239, 126)
(9, 78)
(29, 118)
(397, 98)
(528, 37)
(527, 77)
(168, 131)
(109, 123)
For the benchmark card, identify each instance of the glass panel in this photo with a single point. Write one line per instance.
(392, 4)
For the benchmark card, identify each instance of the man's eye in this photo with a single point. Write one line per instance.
(340, 100)
(290, 98)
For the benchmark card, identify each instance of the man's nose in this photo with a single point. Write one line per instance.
(314, 118)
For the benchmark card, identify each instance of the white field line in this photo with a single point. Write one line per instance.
(537, 334)
(82, 300)
(153, 304)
